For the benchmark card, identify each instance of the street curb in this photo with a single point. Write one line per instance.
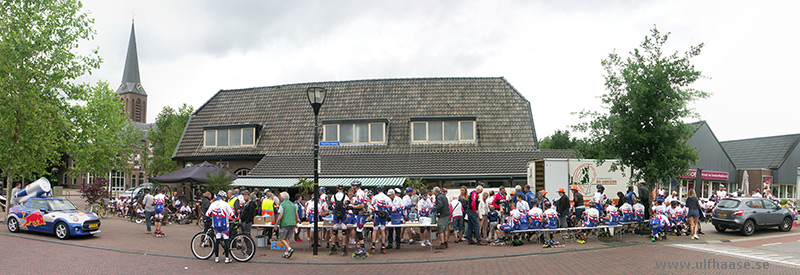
(408, 261)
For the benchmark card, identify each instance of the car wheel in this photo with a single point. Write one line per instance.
(786, 224)
(719, 228)
(13, 224)
(62, 231)
(748, 228)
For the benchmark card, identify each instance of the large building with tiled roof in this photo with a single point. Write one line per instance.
(443, 130)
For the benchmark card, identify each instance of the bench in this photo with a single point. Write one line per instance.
(569, 231)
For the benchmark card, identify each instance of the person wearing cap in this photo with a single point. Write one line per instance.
(339, 207)
(721, 194)
(409, 204)
(599, 199)
(268, 210)
(396, 209)
(359, 205)
(577, 203)
(220, 212)
(562, 207)
(424, 207)
(542, 198)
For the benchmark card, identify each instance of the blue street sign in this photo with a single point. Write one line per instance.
(329, 143)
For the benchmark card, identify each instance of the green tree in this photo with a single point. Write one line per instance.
(221, 181)
(647, 100)
(305, 186)
(416, 184)
(164, 137)
(38, 65)
(102, 138)
(559, 140)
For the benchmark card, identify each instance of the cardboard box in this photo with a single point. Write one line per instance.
(262, 220)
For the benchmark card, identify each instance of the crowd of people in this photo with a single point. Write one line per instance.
(477, 217)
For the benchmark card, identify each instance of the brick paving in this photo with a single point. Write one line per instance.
(41, 257)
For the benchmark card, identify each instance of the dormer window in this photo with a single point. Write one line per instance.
(355, 132)
(443, 130)
(243, 135)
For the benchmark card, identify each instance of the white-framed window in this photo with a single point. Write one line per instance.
(355, 133)
(234, 137)
(443, 131)
(242, 171)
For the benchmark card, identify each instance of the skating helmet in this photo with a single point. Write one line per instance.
(380, 188)
(356, 183)
(600, 187)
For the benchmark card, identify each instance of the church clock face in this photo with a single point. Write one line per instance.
(122, 86)
(139, 86)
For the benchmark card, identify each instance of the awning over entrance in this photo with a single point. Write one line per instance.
(325, 182)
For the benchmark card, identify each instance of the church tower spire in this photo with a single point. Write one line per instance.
(131, 91)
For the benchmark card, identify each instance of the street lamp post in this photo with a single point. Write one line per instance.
(316, 96)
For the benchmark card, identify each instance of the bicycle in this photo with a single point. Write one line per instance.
(242, 247)
(98, 209)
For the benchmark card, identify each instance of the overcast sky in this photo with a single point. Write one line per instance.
(548, 50)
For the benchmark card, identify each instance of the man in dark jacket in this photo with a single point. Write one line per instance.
(644, 197)
(562, 207)
(442, 208)
(249, 211)
(204, 204)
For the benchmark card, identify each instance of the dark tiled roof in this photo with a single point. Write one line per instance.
(761, 153)
(414, 164)
(503, 115)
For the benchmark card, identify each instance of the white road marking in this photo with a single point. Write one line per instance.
(769, 244)
(725, 250)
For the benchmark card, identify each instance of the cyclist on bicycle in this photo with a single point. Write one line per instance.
(220, 212)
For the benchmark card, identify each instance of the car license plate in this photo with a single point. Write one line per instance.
(93, 225)
(723, 214)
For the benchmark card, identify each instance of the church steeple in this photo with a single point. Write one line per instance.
(131, 92)
(130, 76)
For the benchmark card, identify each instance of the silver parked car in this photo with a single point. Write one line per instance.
(750, 213)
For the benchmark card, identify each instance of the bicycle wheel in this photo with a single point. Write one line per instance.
(242, 248)
(202, 245)
(201, 223)
(101, 212)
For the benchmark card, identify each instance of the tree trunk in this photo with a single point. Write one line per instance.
(9, 186)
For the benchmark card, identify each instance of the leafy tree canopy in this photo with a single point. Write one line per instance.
(164, 137)
(647, 100)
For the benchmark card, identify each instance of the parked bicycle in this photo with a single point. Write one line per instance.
(98, 209)
(242, 247)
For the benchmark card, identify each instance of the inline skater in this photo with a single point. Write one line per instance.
(158, 201)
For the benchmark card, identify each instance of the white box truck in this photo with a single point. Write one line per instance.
(552, 174)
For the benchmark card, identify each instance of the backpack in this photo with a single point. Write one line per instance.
(338, 208)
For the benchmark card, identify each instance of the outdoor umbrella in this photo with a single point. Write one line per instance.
(746, 184)
(194, 174)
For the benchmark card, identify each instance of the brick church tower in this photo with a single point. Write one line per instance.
(131, 91)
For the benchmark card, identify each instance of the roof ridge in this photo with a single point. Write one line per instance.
(797, 136)
(362, 80)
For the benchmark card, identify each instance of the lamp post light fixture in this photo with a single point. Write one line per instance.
(316, 96)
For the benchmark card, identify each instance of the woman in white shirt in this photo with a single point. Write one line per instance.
(483, 209)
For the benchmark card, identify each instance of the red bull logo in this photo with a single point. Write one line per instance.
(35, 219)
